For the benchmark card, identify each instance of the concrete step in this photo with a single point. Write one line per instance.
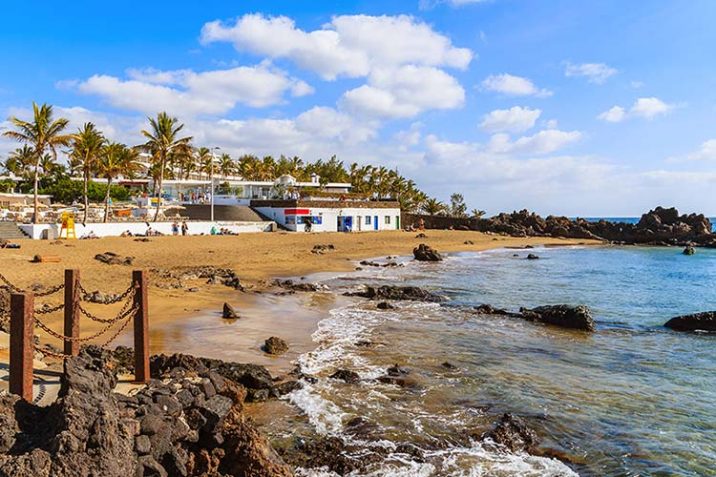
(10, 231)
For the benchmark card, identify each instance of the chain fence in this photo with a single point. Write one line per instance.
(123, 317)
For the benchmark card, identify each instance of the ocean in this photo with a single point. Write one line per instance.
(631, 399)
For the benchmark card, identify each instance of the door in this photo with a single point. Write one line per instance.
(397, 222)
(375, 222)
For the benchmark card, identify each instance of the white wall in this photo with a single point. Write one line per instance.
(115, 229)
(330, 218)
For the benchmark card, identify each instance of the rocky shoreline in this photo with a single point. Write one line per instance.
(661, 226)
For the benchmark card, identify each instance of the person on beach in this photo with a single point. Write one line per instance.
(175, 228)
(184, 228)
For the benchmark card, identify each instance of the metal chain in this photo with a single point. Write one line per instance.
(119, 331)
(51, 291)
(52, 354)
(123, 313)
(10, 285)
(49, 309)
(53, 333)
(84, 293)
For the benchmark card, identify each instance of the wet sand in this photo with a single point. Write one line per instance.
(184, 321)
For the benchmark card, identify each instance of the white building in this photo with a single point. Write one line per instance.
(331, 215)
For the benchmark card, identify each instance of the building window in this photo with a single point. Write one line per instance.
(367, 219)
(387, 220)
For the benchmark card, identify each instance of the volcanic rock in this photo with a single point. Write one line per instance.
(425, 253)
(229, 312)
(350, 377)
(514, 434)
(566, 316)
(391, 292)
(705, 321)
(275, 345)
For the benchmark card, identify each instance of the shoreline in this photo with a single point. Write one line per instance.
(257, 259)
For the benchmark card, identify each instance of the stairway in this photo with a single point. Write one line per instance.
(10, 231)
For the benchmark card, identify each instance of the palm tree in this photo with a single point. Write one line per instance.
(43, 134)
(86, 147)
(226, 165)
(19, 162)
(477, 213)
(162, 140)
(116, 159)
(433, 207)
(204, 160)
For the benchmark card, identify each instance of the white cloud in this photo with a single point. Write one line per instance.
(649, 108)
(646, 108)
(596, 73)
(543, 142)
(515, 119)
(705, 153)
(187, 92)
(349, 45)
(614, 114)
(404, 92)
(511, 85)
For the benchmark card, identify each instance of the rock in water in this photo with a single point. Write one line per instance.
(425, 253)
(391, 292)
(689, 250)
(275, 346)
(229, 312)
(348, 376)
(384, 305)
(532, 256)
(705, 321)
(575, 317)
(513, 433)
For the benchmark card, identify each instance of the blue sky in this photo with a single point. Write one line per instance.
(577, 108)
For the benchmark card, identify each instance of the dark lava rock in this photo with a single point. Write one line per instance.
(396, 370)
(486, 309)
(111, 258)
(350, 377)
(322, 248)
(689, 250)
(293, 286)
(229, 312)
(425, 253)
(384, 305)
(391, 292)
(566, 316)
(449, 365)
(705, 321)
(532, 256)
(275, 345)
(514, 434)
(421, 236)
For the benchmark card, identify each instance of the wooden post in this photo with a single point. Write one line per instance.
(72, 312)
(141, 327)
(22, 348)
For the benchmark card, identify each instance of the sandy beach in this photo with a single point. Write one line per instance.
(256, 258)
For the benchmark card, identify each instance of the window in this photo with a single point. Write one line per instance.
(367, 219)
(387, 220)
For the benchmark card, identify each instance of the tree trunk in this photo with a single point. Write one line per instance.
(106, 200)
(35, 215)
(86, 196)
(159, 188)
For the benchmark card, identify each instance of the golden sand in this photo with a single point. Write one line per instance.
(256, 258)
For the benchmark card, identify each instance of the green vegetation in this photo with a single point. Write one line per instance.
(171, 156)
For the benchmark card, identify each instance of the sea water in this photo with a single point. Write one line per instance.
(633, 398)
